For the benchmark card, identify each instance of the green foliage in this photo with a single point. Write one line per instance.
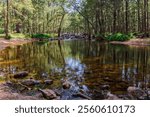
(41, 36)
(114, 37)
(9, 37)
(100, 36)
(118, 37)
(2, 35)
(131, 35)
(18, 36)
(1, 31)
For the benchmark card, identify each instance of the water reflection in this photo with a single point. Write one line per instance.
(88, 65)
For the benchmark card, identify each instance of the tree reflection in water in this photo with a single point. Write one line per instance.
(87, 65)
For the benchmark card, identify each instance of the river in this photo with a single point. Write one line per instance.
(93, 68)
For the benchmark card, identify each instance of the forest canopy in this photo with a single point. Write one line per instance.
(74, 16)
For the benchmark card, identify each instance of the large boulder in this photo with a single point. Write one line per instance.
(21, 74)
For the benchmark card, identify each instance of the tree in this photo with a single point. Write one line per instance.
(7, 20)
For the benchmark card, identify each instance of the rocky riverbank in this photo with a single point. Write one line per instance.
(21, 88)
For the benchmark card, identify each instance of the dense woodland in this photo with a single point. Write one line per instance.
(74, 16)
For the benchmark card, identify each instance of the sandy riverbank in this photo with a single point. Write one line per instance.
(134, 42)
(13, 42)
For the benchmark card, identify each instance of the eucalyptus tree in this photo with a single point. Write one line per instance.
(114, 16)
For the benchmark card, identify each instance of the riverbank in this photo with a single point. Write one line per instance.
(6, 93)
(13, 42)
(134, 42)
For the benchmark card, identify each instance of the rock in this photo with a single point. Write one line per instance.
(48, 94)
(136, 93)
(9, 83)
(58, 93)
(48, 82)
(112, 97)
(88, 72)
(108, 79)
(82, 95)
(58, 98)
(105, 87)
(30, 82)
(149, 93)
(21, 74)
(66, 85)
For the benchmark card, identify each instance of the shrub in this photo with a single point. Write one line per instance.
(100, 36)
(9, 37)
(131, 35)
(40, 36)
(118, 37)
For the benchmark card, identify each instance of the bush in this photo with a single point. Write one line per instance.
(9, 37)
(118, 37)
(41, 36)
(131, 35)
(100, 36)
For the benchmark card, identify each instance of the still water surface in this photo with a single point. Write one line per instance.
(92, 67)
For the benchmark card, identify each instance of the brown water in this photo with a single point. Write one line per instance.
(92, 67)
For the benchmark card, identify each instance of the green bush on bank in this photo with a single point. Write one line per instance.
(118, 37)
(100, 36)
(114, 37)
(41, 36)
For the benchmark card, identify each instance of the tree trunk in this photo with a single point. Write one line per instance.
(7, 21)
(138, 12)
(60, 25)
(126, 17)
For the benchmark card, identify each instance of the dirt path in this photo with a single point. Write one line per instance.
(5, 43)
(135, 42)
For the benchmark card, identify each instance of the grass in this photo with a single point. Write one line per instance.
(18, 36)
(15, 36)
(2, 35)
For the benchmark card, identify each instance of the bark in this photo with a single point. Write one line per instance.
(126, 12)
(60, 26)
(7, 20)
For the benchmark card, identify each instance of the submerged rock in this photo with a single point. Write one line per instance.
(82, 96)
(105, 87)
(66, 85)
(136, 93)
(30, 82)
(108, 79)
(21, 74)
(112, 97)
(48, 94)
(48, 82)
